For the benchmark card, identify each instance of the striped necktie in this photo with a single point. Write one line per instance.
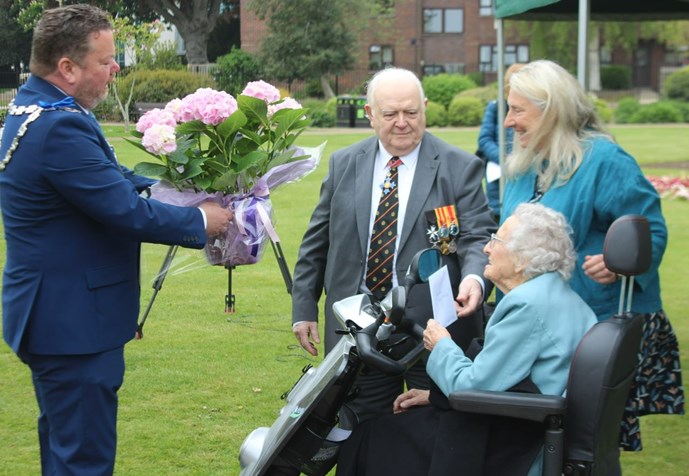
(381, 250)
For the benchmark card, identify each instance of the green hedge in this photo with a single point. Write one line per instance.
(442, 88)
(161, 85)
(659, 112)
(436, 115)
(235, 69)
(465, 111)
(676, 85)
(625, 110)
(615, 77)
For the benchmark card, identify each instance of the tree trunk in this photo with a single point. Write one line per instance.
(594, 59)
(327, 90)
(194, 20)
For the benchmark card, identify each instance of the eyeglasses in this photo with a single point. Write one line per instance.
(493, 239)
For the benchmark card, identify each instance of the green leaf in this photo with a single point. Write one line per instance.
(229, 127)
(178, 157)
(254, 108)
(226, 182)
(289, 119)
(203, 182)
(257, 157)
(150, 170)
(191, 127)
(138, 145)
(193, 169)
(249, 135)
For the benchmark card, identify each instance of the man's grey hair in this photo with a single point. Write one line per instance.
(541, 241)
(65, 31)
(393, 73)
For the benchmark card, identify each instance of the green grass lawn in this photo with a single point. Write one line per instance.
(202, 379)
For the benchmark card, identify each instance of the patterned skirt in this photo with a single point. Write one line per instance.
(657, 387)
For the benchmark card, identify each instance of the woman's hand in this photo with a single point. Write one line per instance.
(433, 333)
(594, 268)
(411, 398)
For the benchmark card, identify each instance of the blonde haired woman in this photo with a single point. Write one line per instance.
(563, 157)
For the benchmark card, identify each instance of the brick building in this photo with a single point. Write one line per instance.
(433, 36)
(426, 36)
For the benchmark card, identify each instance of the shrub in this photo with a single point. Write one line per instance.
(659, 112)
(161, 85)
(485, 94)
(320, 115)
(441, 88)
(331, 106)
(677, 85)
(625, 110)
(436, 115)
(682, 108)
(109, 110)
(235, 69)
(465, 112)
(602, 109)
(615, 77)
(477, 78)
(163, 56)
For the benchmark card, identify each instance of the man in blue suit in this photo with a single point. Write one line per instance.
(74, 221)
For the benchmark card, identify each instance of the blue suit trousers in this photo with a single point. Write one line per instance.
(77, 399)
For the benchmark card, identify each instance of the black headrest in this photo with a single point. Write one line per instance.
(627, 248)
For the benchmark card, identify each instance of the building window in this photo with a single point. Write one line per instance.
(488, 56)
(380, 56)
(443, 20)
(485, 8)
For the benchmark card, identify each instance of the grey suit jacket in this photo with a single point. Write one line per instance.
(332, 256)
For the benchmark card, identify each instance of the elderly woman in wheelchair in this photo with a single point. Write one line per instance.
(529, 344)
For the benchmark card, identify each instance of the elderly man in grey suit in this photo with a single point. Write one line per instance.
(431, 180)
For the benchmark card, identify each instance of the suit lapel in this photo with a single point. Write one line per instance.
(362, 194)
(426, 171)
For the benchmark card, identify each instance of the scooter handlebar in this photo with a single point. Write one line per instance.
(367, 346)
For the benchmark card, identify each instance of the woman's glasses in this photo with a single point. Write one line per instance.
(493, 239)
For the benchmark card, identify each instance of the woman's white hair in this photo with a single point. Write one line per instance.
(393, 74)
(541, 241)
(568, 119)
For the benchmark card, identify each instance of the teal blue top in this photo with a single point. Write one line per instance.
(607, 185)
(534, 331)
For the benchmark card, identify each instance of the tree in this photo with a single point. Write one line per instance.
(555, 40)
(15, 40)
(308, 39)
(194, 20)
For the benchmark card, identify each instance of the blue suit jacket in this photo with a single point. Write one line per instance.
(74, 221)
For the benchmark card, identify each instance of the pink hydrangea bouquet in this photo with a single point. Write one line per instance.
(210, 145)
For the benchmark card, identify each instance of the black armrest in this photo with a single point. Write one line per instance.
(526, 406)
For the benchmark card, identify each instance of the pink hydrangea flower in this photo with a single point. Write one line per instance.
(155, 117)
(175, 108)
(159, 139)
(287, 103)
(208, 106)
(262, 90)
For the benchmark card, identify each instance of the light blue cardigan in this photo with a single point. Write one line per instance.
(534, 332)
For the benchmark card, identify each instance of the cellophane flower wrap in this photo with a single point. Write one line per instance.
(212, 146)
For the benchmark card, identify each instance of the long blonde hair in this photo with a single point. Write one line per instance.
(568, 119)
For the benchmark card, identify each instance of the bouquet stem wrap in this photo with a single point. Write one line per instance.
(247, 234)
